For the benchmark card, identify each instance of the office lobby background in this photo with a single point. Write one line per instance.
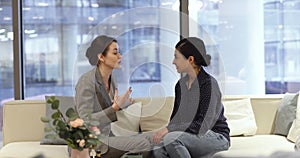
(254, 44)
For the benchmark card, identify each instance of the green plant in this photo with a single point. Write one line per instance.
(77, 133)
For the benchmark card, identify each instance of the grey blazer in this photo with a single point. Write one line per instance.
(92, 97)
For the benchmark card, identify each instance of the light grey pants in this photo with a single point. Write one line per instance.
(187, 145)
(121, 145)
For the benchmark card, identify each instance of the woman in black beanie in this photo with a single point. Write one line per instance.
(197, 126)
(97, 94)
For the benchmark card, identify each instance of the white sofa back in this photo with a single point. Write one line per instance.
(265, 110)
(21, 118)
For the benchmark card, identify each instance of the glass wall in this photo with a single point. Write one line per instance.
(265, 61)
(253, 52)
(6, 45)
(233, 34)
(55, 43)
(6, 60)
(282, 45)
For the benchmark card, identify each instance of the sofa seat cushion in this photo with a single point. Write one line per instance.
(33, 149)
(257, 145)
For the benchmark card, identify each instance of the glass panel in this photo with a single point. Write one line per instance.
(245, 42)
(237, 53)
(282, 43)
(204, 23)
(6, 60)
(55, 43)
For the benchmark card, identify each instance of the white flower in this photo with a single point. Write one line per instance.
(76, 123)
(82, 143)
(96, 130)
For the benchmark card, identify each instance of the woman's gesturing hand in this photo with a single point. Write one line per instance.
(124, 100)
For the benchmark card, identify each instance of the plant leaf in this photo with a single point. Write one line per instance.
(61, 124)
(50, 136)
(73, 118)
(55, 121)
(55, 104)
(63, 134)
(50, 100)
(70, 144)
(92, 141)
(55, 115)
(48, 129)
(71, 114)
(45, 119)
(78, 134)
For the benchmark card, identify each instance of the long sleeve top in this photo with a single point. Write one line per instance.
(87, 102)
(199, 108)
(91, 98)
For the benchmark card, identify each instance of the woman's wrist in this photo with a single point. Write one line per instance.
(115, 106)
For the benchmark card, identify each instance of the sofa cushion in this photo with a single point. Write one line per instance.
(286, 114)
(33, 149)
(65, 102)
(240, 117)
(156, 113)
(257, 145)
(297, 144)
(294, 131)
(128, 120)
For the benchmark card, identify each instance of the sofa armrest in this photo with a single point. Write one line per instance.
(21, 120)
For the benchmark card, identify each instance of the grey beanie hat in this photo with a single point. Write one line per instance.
(194, 46)
(98, 45)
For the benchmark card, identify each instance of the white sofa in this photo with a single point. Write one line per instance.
(23, 130)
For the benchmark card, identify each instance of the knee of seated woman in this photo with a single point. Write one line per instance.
(172, 136)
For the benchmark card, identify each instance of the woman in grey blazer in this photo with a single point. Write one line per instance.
(97, 95)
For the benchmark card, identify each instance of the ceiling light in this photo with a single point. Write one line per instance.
(91, 18)
(95, 5)
(29, 31)
(2, 30)
(43, 4)
(33, 35)
(10, 35)
(6, 18)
